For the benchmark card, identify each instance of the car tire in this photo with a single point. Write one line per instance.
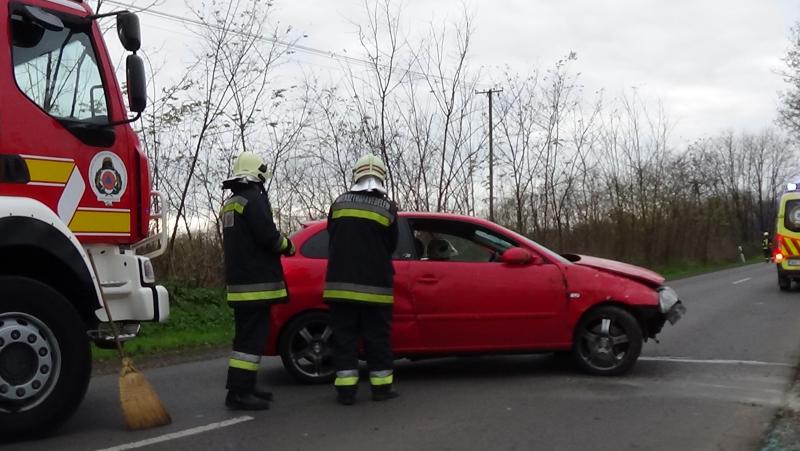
(784, 283)
(45, 358)
(607, 341)
(306, 348)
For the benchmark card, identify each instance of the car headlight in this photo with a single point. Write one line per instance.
(667, 297)
(148, 273)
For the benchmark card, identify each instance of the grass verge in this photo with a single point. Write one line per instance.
(199, 318)
(679, 271)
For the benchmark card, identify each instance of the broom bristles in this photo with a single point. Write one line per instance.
(141, 406)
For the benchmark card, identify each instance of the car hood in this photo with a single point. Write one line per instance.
(637, 273)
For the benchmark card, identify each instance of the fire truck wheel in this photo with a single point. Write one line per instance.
(45, 358)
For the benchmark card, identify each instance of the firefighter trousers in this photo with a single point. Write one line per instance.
(371, 323)
(252, 328)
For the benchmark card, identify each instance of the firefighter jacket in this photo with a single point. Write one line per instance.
(363, 236)
(253, 247)
(765, 243)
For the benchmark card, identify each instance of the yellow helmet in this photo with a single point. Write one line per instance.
(369, 164)
(251, 166)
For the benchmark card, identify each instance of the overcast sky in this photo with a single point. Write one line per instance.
(713, 63)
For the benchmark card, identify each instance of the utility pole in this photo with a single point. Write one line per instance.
(489, 93)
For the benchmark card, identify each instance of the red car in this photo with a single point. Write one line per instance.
(464, 285)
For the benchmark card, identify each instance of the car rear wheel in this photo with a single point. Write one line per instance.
(607, 342)
(306, 348)
(784, 283)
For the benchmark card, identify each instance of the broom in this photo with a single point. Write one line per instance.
(141, 406)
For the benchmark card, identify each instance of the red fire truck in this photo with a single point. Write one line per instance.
(74, 187)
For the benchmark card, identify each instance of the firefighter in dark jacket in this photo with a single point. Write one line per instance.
(253, 274)
(362, 224)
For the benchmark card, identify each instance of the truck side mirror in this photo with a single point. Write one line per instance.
(137, 83)
(129, 31)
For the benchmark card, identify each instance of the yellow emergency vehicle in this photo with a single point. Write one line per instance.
(786, 245)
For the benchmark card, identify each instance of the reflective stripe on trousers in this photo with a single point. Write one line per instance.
(346, 378)
(244, 361)
(384, 377)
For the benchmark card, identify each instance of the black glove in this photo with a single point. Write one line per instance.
(289, 250)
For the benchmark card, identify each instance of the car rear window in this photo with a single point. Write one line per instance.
(791, 217)
(316, 246)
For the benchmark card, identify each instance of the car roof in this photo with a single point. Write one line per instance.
(421, 215)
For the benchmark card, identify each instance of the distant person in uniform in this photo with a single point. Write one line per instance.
(766, 247)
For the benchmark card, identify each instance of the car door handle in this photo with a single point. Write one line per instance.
(428, 279)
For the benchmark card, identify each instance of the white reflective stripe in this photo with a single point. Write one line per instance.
(255, 287)
(252, 358)
(382, 373)
(357, 287)
(71, 196)
(347, 373)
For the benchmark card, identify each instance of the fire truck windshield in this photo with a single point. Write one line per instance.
(56, 68)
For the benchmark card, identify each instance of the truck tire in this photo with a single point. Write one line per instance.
(45, 358)
(784, 283)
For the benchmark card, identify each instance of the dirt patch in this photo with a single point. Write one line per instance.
(784, 432)
(164, 358)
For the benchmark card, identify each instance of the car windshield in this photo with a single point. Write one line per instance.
(57, 70)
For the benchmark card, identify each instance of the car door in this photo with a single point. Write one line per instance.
(470, 301)
(307, 275)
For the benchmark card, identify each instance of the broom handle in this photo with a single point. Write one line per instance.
(113, 325)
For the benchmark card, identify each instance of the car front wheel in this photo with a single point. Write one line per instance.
(607, 342)
(306, 348)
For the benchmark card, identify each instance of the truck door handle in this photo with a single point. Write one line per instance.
(428, 279)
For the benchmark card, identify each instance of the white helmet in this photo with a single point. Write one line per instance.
(367, 165)
(250, 167)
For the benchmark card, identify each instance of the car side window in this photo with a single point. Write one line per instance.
(439, 240)
(317, 245)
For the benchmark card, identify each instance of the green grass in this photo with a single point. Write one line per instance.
(199, 317)
(679, 271)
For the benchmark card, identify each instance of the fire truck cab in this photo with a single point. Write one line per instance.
(74, 190)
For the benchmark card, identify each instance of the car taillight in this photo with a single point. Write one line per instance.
(778, 257)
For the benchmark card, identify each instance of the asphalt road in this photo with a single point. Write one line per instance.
(714, 382)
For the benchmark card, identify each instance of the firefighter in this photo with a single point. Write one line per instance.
(765, 246)
(362, 224)
(253, 275)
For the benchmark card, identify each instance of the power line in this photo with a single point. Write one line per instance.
(288, 45)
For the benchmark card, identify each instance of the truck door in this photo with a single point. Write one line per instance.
(59, 99)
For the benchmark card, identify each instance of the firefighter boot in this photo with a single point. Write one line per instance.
(346, 395)
(263, 394)
(383, 392)
(245, 401)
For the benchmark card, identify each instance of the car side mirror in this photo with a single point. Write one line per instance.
(520, 256)
(129, 32)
